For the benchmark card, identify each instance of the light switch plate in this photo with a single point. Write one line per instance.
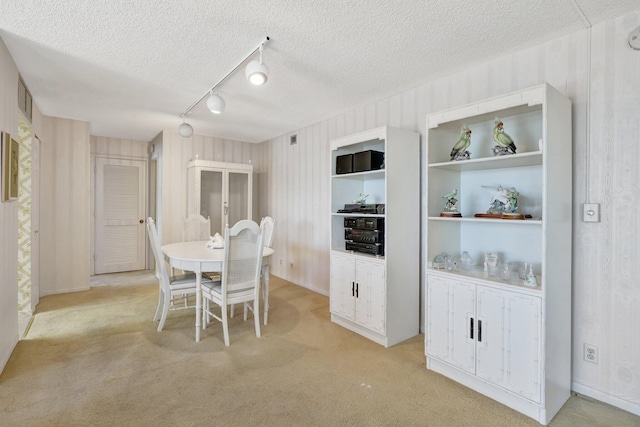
(591, 212)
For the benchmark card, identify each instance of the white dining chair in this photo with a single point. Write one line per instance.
(196, 227)
(266, 224)
(240, 276)
(174, 290)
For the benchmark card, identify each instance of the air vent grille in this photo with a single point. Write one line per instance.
(25, 101)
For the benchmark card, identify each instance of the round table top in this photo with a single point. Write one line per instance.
(197, 251)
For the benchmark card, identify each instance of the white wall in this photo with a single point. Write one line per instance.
(64, 206)
(605, 259)
(8, 215)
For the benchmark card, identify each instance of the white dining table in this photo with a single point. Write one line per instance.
(196, 257)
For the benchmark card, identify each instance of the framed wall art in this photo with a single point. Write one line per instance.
(9, 170)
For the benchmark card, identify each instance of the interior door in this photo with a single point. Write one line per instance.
(120, 243)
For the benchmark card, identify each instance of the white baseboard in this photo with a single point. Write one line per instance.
(63, 291)
(7, 352)
(606, 398)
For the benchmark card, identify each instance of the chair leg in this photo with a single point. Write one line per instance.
(256, 316)
(265, 295)
(246, 308)
(160, 303)
(165, 310)
(225, 324)
(205, 315)
(233, 310)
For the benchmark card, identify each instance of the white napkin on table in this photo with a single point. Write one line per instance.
(215, 242)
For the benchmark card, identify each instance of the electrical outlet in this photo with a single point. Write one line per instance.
(591, 212)
(280, 262)
(590, 353)
(291, 264)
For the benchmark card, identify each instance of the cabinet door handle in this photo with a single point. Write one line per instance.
(356, 290)
(471, 327)
(353, 289)
(479, 330)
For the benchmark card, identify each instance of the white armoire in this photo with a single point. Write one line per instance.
(221, 191)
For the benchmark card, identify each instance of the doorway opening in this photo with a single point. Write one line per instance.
(28, 173)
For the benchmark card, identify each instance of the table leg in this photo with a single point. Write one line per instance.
(198, 303)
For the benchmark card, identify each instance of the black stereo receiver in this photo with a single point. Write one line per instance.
(367, 248)
(364, 236)
(364, 223)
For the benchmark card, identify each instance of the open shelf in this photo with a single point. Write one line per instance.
(484, 163)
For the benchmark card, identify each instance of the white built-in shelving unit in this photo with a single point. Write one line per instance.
(506, 340)
(378, 296)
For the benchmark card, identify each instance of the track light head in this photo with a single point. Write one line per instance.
(185, 130)
(215, 103)
(257, 73)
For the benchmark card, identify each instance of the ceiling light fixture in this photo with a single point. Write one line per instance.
(185, 129)
(215, 103)
(257, 73)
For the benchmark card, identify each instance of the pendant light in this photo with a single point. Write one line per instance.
(215, 103)
(185, 129)
(257, 73)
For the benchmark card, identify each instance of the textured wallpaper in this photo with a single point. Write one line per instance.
(606, 154)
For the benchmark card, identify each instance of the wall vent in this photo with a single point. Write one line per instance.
(25, 101)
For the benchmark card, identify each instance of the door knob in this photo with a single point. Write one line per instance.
(142, 221)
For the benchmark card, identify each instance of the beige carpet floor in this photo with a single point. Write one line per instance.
(94, 358)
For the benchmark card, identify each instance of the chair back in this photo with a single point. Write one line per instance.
(154, 241)
(242, 262)
(266, 225)
(196, 227)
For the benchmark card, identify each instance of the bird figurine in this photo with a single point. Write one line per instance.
(450, 205)
(504, 141)
(459, 150)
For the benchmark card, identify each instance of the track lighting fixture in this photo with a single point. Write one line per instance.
(257, 73)
(185, 130)
(215, 103)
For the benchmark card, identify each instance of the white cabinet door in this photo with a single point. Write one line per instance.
(463, 330)
(370, 295)
(438, 315)
(343, 282)
(490, 363)
(213, 199)
(491, 333)
(523, 314)
(451, 322)
(237, 204)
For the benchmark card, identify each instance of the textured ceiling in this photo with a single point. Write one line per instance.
(131, 67)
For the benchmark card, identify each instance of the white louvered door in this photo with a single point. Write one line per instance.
(120, 243)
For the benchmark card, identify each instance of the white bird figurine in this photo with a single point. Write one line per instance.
(498, 194)
(501, 138)
(463, 143)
